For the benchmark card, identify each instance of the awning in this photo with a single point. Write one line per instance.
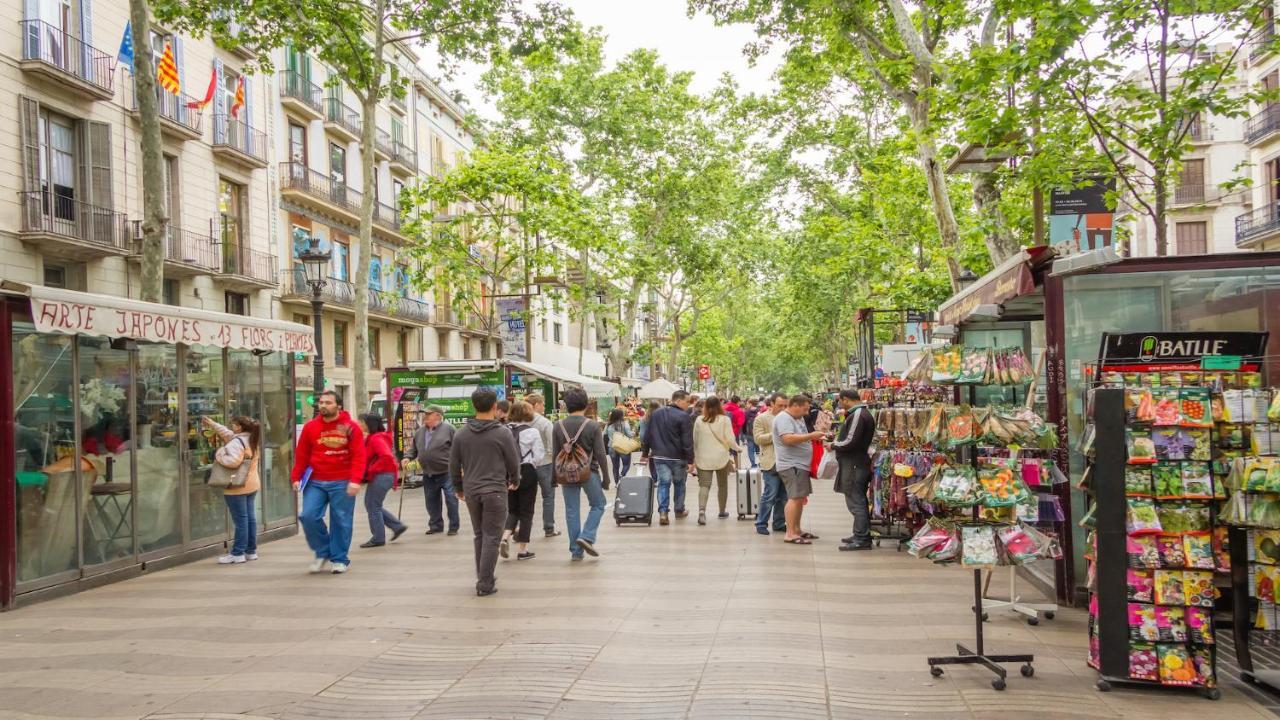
(660, 389)
(77, 313)
(593, 387)
(1009, 280)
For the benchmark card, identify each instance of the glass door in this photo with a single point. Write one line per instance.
(204, 398)
(106, 450)
(277, 439)
(159, 445)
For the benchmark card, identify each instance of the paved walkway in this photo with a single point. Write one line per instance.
(685, 621)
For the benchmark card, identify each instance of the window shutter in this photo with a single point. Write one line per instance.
(30, 121)
(98, 157)
(86, 25)
(220, 119)
(246, 114)
(180, 61)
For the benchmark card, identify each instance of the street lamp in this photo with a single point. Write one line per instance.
(315, 266)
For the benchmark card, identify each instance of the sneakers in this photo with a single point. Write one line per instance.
(553, 533)
(339, 568)
(319, 565)
(663, 519)
(395, 535)
(251, 556)
(575, 558)
(230, 559)
(486, 593)
(587, 547)
(723, 515)
(371, 544)
(504, 548)
(525, 556)
(762, 531)
(857, 546)
(682, 513)
(702, 518)
(451, 533)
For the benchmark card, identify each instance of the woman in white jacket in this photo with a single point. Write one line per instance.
(240, 445)
(522, 498)
(713, 449)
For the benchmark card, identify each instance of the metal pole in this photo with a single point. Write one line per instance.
(317, 361)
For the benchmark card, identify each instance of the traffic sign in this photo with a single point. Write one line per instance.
(704, 372)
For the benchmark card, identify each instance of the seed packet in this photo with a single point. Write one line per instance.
(1169, 588)
(1171, 552)
(948, 551)
(1139, 405)
(1198, 518)
(1142, 551)
(1202, 659)
(1142, 517)
(1142, 623)
(946, 363)
(956, 487)
(1266, 546)
(1175, 665)
(1168, 480)
(1263, 511)
(979, 545)
(926, 539)
(1179, 518)
(1221, 548)
(1137, 480)
(1198, 551)
(1144, 664)
(1197, 481)
(1194, 408)
(1197, 588)
(1200, 625)
(1000, 486)
(1273, 410)
(1168, 411)
(1172, 624)
(1197, 444)
(1253, 474)
(935, 431)
(1140, 585)
(1019, 547)
(962, 427)
(1093, 657)
(1140, 446)
(974, 363)
(1029, 511)
(1250, 380)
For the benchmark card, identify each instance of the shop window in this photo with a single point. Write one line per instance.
(375, 348)
(206, 397)
(339, 343)
(1192, 238)
(160, 442)
(277, 439)
(237, 303)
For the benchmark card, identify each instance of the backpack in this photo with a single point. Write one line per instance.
(572, 465)
(515, 432)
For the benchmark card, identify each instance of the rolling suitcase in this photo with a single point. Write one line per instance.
(634, 502)
(750, 484)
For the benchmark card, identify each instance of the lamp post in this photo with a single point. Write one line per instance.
(315, 265)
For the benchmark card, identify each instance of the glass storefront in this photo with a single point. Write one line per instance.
(110, 458)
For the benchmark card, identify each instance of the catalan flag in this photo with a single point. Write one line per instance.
(239, 100)
(167, 71)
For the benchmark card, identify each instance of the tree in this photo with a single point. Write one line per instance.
(355, 39)
(155, 211)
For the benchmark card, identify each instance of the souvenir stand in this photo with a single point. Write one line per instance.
(902, 411)
(1159, 450)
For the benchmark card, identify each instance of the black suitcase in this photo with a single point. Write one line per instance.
(634, 502)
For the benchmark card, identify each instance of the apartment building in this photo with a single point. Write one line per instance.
(1259, 227)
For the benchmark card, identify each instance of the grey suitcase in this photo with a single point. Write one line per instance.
(750, 484)
(634, 502)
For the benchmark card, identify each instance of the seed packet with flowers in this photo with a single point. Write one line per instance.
(1172, 623)
(1142, 551)
(1140, 585)
(1169, 588)
(1171, 554)
(929, 538)
(1018, 546)
(1197, 588)
(973, 366)
(946, 363)
(1142, 623)
(957, 487)
(1202, 658)
(1175, 665)
(1198, 550)
(1200, 625)
(979, 545)
(1196, 444)
(1144, 664)
(1000, 486)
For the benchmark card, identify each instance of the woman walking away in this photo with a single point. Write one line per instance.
(713, 443)
(618, 424)
(380, 475)
(240, 445)
(522, 498)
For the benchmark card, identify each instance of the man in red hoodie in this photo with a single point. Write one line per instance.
(737, 416)
(332, 446)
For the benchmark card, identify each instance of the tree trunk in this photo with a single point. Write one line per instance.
(936, 178)
(1161, 202)
(155, 215)
(623, 346)
(364, 251)
(986, 196)
(585, 258)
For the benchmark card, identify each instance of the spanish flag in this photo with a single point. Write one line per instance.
(239, 100)
(167, 71)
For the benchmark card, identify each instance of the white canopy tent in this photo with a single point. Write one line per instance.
(660, 389)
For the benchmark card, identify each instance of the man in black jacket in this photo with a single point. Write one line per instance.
(668, 440)
(485, 460)
(852, 447)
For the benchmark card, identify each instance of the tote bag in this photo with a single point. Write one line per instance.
(221, 476)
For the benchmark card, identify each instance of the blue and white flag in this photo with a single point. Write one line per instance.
(125, 56)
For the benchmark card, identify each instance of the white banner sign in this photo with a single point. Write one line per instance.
(75, 313)
(511, 325)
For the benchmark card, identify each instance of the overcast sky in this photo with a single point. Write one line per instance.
(684, 43)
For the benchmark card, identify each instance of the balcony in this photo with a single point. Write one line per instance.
(341, 294)
(177, 119)
(246, 269)
(387, 218)
(1262, 125)
(404, 160)
(187, 253)
(237, 142)
(1256, 226)
(299, 94)
(63, 227)
(382, 145)
(342, 120)
(1262, 44)
(317, 191)
(1199, 132)
(398, 101)
(1196, 195)
(67, 60)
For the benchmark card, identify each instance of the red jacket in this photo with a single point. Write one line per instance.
(333, 450)
(379, 457)
(737, 417)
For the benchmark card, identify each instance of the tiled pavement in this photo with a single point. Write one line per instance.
(685, 621)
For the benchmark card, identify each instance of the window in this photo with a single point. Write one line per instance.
(466, 348)
(375, 348)
(55, 276)
(402, 280)
(341, 260)
(1192, 238)
(57, 164)
(543, 327)
(484, 349)
(172, 191)
(230, 213)
(339, 343)
(301, 237)
(402, 347)
(397, 129)
(237, 303)
(170, 291)
(298, 145)
(1191, 182)
(302, 319)
(375, 273)
(230, 81)
(557, 332)
(337, 165)
(397, 188)
(442, 344)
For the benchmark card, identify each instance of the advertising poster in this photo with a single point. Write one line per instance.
(1079, 219)
(511, 319)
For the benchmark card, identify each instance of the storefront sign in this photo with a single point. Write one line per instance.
(1222, 362)
(75, 313)
(1185, 347)
(991, 290)
(1079, 218)
(511, 326)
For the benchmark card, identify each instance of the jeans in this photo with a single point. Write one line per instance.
(668, 473)
(432, 487)
(547, 486)
(573, 511)
(380, 518)
(773, 498)
(241, 509)
(520, 504)
(621, 465)
(750, 441)
(721, 476)
(856, 499)
(331, 544)
(488, 515)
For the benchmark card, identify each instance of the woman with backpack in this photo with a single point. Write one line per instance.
(380, 474)
(522, 498)
(240, 445)
(713, 449)
(619, 427)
